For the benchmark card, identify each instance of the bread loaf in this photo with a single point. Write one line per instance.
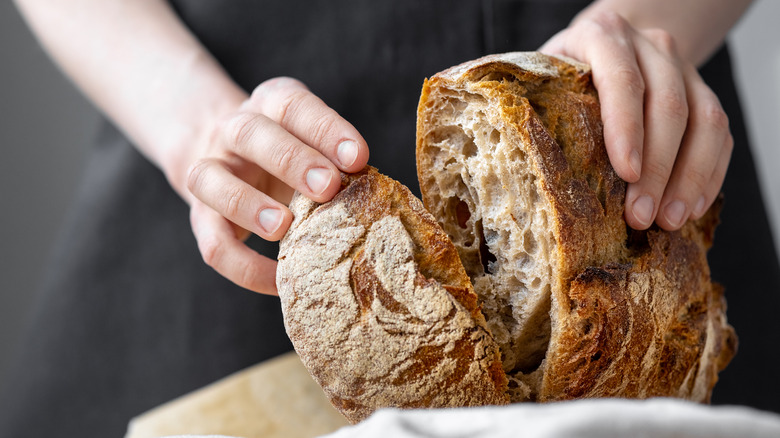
(567, 301)
(378, 305)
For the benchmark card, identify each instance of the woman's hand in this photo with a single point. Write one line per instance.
(242, 174)
(665, 131)
(235, 159)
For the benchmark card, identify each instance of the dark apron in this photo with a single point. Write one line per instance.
(130, 317)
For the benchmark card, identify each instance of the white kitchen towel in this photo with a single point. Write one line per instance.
(604, 418)
(599, 418)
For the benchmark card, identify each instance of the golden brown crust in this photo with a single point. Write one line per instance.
(653, 327)
(632, 315)
(385, 315)
(511, 161)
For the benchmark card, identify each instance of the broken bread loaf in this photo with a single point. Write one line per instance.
(378, 305)
(511, 161)
(541, 292)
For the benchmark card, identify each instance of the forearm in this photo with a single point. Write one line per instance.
(698, 26)
(140, 65)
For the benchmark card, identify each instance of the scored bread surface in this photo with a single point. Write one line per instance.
(378, 306)
(511, 161)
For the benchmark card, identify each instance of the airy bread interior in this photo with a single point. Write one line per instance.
(480, 178)
(484, 175)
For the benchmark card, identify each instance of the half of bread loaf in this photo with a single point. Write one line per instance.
(566, 300)
(378, 305)
(511, 160)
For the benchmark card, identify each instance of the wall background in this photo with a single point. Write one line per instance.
(756, 51)
(46, 128)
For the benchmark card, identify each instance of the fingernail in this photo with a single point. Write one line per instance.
(674, 213)
(643, 210)
(700, 204)
(347, 153)
(318, 180)
(635, 161)
(270, 219)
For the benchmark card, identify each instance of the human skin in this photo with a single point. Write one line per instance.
(665, 130)
(237, 158)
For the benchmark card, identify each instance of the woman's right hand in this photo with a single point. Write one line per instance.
(240, 176)
(236, 159)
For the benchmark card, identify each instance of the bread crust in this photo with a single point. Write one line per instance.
(523, 284)
(378, 306)
(652, 327)
(631, 313)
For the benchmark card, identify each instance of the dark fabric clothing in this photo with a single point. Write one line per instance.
(745, 261)
(130, 317)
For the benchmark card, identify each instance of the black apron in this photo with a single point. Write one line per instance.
(130, 317)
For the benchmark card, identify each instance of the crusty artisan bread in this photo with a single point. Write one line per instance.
(511, 161)
(512, 165)
(378, 305)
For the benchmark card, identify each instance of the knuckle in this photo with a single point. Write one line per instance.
(279, 98)
(284, 157)
(287, 106)
(617, 126)
(235, 202)
(239, 130)
(662, 39)
(269, 88)
(630, 78)
(260, 94)
(196, 173)
(264, 89)
(698, 178)
(210, 250)
(673, 103)
(248, 275)
(611, 22)
(712, 115)
(281, 82)
(322, 128)
(657, 172)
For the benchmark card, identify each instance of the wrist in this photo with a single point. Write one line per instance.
(191, 132)
(695, 38)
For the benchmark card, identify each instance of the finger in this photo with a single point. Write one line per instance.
(213, 184)
(260, 140)
(229, 256)
(556, 45)
(606, 43)
(666, 118)
(706, 135)
(289, 103)
(718, 176)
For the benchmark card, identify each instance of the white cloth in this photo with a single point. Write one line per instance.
(605, 418)
(599, 418)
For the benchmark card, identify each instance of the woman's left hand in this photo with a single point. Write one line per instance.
(665, 131)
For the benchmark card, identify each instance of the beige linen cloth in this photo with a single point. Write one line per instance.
(279, 399)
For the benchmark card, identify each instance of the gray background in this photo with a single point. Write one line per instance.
(46, 128)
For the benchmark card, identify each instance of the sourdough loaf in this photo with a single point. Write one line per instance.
(566, 301)
(378, 305)
(511, 161)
